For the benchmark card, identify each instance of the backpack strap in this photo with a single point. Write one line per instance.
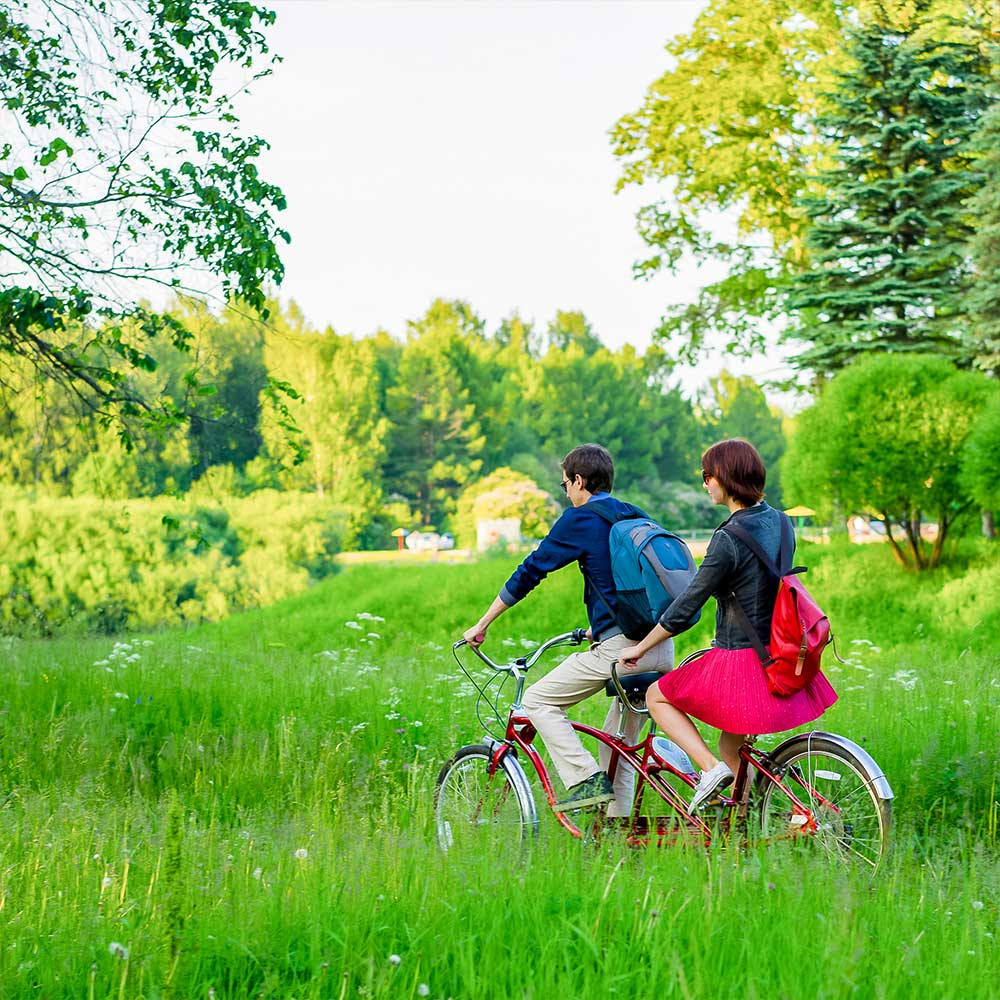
(785, 549)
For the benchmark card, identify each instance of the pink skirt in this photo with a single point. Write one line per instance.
(727, 689)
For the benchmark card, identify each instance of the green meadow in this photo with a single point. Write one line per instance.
(245, 810)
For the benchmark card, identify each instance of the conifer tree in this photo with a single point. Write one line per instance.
(984, 294)
(889, 236)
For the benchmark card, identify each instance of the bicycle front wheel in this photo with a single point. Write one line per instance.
(842, 790)
(477, 809)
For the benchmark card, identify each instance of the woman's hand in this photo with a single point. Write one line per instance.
(630, 655)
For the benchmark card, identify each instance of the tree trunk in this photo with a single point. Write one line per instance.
(896, 550)
(912, 527)
(943, 524)
(988, 529)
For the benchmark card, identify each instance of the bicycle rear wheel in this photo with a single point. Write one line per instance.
(845, 792)
(473, 808)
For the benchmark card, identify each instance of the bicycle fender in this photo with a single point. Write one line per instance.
(872, 771)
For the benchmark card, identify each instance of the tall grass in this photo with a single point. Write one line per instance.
(245, 809)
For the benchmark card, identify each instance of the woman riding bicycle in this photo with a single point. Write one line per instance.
(727, 687)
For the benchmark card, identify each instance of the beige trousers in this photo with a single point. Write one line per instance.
(574, 680)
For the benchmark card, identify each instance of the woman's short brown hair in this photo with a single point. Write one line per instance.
(593, 463)
(739, 469)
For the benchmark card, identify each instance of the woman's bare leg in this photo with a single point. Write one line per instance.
(679, 728)
(729, 749)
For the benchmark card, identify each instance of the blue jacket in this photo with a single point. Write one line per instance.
(579, 536)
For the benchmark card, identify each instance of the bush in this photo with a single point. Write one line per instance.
(111, 565)
(504, 493)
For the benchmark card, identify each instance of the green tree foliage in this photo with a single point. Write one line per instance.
(981, 458)
(730, 132)
(887, 438)
(436, 441)
(738, 408)
(729, 128)
(338, 414)
(572, 327)
(983, 300)
(122, 166)
(889, 233)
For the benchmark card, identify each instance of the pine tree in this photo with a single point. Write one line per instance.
(984, 295)
(889, 236)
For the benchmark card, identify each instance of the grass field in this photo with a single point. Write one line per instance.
(244, 810)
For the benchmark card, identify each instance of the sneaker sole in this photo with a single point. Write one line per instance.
(722, 783)
(594, 800)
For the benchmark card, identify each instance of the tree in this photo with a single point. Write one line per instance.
(739, 408)
(730, 130)
(572, 327)
(889, 233)
(123, 169)
(341, 427)
(436, 440)
(886, 437)
(729, 127)
(983, 300)
(981, 463)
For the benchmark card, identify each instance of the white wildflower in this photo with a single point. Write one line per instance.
(354, 625)
(373, 635)
(394, 960)
(368, 617)
(121, 694)
(118, 950)
(528, 644)
(302, 854)
(134, 658)
(358, 727)
(906, 679)
(257, 872)
(977, 904)
(101, 663)
(423, 990)
(107, 882)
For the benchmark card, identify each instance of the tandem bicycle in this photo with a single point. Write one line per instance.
(814, 787)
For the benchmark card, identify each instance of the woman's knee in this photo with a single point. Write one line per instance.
(654, 696)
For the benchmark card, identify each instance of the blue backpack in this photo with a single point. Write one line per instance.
(650, 565)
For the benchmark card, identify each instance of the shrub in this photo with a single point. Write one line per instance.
(110, 565)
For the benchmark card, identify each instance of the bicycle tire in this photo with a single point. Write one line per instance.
(475, 809)
(855, 825)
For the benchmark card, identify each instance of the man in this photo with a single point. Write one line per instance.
(580, 535)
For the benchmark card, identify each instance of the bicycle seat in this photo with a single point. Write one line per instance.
(633, 684)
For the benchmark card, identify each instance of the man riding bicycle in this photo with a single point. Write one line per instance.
(580, 535)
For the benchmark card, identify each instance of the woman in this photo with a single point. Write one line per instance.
(727, 686)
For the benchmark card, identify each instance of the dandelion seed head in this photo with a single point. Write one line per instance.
(302, 854)
(394, 960)
(257, 872)
(107, 881)
(423, 990)
(118, 950)
(977, 904)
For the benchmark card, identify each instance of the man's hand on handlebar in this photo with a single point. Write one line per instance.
(475, 636)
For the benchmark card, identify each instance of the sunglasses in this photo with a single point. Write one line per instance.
(564, 484)
(706, 476)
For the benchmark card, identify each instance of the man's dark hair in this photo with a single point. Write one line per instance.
(739, 469)
(592, 462)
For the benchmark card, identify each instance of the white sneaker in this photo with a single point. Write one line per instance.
(720, 776)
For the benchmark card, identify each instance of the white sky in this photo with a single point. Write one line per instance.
(460, 149)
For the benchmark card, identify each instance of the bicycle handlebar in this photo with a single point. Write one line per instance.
(574, 638)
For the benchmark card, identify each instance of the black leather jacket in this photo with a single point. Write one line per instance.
(729, 566)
